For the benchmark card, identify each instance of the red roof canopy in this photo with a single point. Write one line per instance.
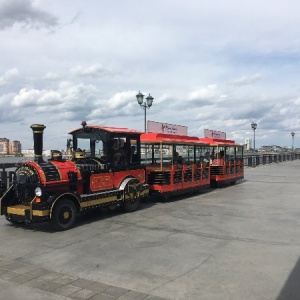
(169, 138)
(109, 129)
(219, 142)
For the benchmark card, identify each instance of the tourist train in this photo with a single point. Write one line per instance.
(114, 167)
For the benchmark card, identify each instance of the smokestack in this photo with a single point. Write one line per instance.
(38, 130)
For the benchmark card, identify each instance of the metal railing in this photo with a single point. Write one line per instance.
(253, 160)
(7, 171)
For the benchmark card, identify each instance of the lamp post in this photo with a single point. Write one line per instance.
(145, 105)
(293, 134)
(254, 126)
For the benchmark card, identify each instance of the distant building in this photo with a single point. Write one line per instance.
(8, 147)
(4, 146)
(15, 147)
(248, 143)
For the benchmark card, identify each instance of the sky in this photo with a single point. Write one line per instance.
(218, 65)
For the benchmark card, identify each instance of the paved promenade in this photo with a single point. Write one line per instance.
(238, 242)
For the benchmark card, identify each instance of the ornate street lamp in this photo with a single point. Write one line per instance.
(254, 126)
(293, 134)
(145, 105)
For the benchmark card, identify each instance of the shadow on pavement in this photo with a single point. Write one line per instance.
(291, 289)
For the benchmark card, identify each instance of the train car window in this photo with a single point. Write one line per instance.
(180, 155)
(239, 153)
(190, 154)
(91, 148)
(156, 154)
(120, 151)
(146, 156)
(230, 153)
(134, 152)
(203, 155)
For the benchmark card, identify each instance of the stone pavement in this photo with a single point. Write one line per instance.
(24, 281)
(232, 243)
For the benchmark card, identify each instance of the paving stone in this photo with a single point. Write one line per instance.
(115, 291)
(65, 279)
(21, 278)
(66, 290)
(150, 297)
(82, 283)
(83, 294)
(8, 275)
(102, 297)
(2, 270)
(4, 262)
(51, 276)
(132, 295)
(37, 272)
(48, 286)
(13, 266)
(24, 269)
(98, 287)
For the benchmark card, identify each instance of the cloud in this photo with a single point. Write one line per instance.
(207, 95)
(246, 80)
(8, 76)
(67, 99)
(25, 13)
(51, 76)
(95, 70)
(121, 104)
(184, 55)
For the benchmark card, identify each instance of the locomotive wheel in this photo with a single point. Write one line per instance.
(63, 215)
(131, 205)
(132, 195)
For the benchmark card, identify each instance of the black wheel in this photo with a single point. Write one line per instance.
(132, 196)
(63, 215)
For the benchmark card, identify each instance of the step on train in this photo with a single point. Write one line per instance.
(114, 167)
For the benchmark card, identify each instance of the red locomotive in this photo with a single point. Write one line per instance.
(57, 189)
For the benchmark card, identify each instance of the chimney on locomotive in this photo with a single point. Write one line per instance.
(38, 130)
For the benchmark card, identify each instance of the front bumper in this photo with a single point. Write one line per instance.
(25, 213)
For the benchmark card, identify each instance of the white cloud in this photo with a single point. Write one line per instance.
(207, 95)
(247, 80)
(26, 97)
(8, 76)
(51, 76)
(94, 70)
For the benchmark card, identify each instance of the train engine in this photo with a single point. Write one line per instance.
(102, 168)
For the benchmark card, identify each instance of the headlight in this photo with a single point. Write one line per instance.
(38, 191)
